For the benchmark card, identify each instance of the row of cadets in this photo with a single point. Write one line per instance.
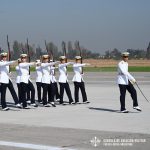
(47, 82)
(25, 82)
(6, 82)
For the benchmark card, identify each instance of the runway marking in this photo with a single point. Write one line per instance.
(31, 146)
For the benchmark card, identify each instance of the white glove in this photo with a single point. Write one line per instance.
(133, 81)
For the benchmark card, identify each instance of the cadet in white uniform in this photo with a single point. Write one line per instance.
(54, 81)
(125, 81)
(63, 81)
(18, 80)
(46, 81)
(6, 82)
(78, 81)
(39, 80)
(25, 81)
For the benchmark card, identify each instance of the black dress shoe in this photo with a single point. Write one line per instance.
(71, 103)
(124, 111)
(86, 102)
(26, 107)
(53, 104)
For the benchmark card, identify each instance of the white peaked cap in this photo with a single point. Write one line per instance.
(125, 54)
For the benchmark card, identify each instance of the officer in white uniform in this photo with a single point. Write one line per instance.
(46, 81)
(25, 81)
(78, 81)
(18, 80)
(63, 81)
(125, 81)
(6, 82)
(39, 80)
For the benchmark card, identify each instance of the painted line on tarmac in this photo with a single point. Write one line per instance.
(31, 146)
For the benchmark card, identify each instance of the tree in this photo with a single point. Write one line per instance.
(38, 52)
(115, 54)
(107, 54)
(71, 50)
(16, 50)
(53, 50)
(148, 51)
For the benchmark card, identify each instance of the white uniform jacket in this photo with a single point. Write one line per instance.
(4, 71)
(38, 73)
(46, 72)
(77, 68)
(18, 74)
(52, 74)
(24, 69)
(123, 74)
(63, 72)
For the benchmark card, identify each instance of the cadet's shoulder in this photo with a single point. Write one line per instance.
(121, 62)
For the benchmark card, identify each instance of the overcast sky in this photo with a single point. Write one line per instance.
(99, 25)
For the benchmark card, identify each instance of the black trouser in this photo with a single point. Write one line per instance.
(131, 90)
(28, 94)
(19, 92)
(39, 88)
(0, 93)
(45, 92)
(24, 87)
(65, 86)
(32, 89)
(56, 91)
(80, 85)
(3, 93)
(51, 92)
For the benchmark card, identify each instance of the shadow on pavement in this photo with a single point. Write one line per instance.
(103, 109)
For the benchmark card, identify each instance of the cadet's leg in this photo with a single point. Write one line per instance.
(3, 95)
(68, 91)
(39, 87)
(52, 89)
(19, 92)
(122, 96)
(82, 87)
(56, 90)
(76, 92)
(28, 94)
(45, 91)
(32, 89)
(13, 92)
(61, 92)
(133, 93)
(23, 87)
(49, 93)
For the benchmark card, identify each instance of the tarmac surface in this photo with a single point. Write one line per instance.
(98, 125)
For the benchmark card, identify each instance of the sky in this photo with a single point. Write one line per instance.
(99, 25)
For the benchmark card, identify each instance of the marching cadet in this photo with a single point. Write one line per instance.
(54, 81)
(78, 81)
(25, 81)
(125, 82)
(46, 81)
(6, 82)
(39, 80)
(63, 81)
(18, 80)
